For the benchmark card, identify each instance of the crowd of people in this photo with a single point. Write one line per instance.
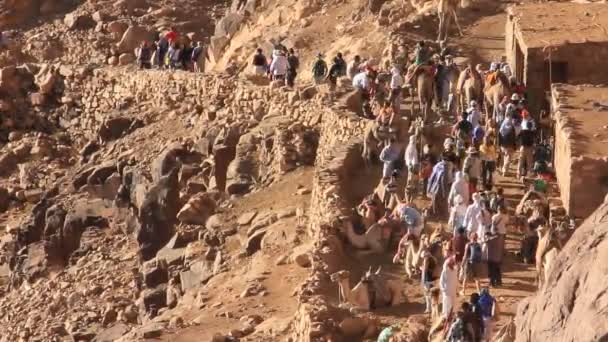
(170, 51)
(460, 182)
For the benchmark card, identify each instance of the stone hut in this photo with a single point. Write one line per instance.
(581, 146)
(557, 43)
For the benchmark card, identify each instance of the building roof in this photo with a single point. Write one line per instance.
(554, 24)
(584, 109)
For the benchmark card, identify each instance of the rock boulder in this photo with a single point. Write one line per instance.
(571, 306)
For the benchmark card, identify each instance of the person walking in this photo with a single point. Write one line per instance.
(278, 66)
(259, 63)
(196, 60)
(494, 258)
(471, 217)
(488, 162)
(448, 285)
(429, 264)
(293, 63)
(437, 189)
(144, 56)
(506, 141)
(489, 313)
(472, 167)
(412, 163)
(459, 187)
(319, 70)
(335, 71)
(472, 263)
(459, 244)
(526, 139)
(362, 83)
(354, 67)
(457, 214)
(396, 85)
(390, 154)
(162, 48)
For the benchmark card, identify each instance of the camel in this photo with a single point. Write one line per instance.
(384, 292)
(446, 9)
(438, 330)
(544, 246)
(413, 251)
(372, 239)
(551, 241)
(425, 85)
(373, 142)
(469, 87)
(493, 94)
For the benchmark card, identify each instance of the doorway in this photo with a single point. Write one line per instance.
(555, 72)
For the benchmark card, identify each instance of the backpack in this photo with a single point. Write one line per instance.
(320, 68)
(293, 62)
(459, 332)
(486, 303)
(475, 252)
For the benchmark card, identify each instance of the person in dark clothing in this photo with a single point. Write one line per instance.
(293, 63)
(495, 253)
(475, 317)
(459, 242)
(162, 46)
(260, 64)
(196, 54)
(186, 56)
(463, 132)
(339, 60)
(526, 140)
(335, 71)
(429, 265)
(144, 56)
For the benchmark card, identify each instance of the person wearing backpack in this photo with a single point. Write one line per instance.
(472, 263)
(507, 141)
(319, 69)
(293, 63)
(475, 316)
(489, 312)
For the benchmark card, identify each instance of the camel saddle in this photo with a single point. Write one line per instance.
(415, 70)
(491, 79)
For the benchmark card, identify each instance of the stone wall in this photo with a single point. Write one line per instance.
(338, 157)
(582, 179)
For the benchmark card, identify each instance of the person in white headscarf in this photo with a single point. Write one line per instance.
(412, 162)
(459, 187)
(457, 214)
(471, 217)
(448, 284)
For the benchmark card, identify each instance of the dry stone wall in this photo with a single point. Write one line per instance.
(214, 97)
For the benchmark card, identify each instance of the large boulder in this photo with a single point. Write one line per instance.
(198, 209)
(229, 24)
(116, 126)
(75, 21)
(571, 305)
(133, 37)
(157, 215)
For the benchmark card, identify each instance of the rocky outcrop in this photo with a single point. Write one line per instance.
(571, 306)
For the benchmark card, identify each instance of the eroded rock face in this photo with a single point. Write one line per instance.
(572, 305)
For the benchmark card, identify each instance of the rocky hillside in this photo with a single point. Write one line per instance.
(572, 305)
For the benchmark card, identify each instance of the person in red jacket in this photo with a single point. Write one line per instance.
(172, 35)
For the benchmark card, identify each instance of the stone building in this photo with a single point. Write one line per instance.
(581, 139)
(557, 43)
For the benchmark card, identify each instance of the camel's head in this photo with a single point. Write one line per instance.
(339, 276)
(369, 276)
